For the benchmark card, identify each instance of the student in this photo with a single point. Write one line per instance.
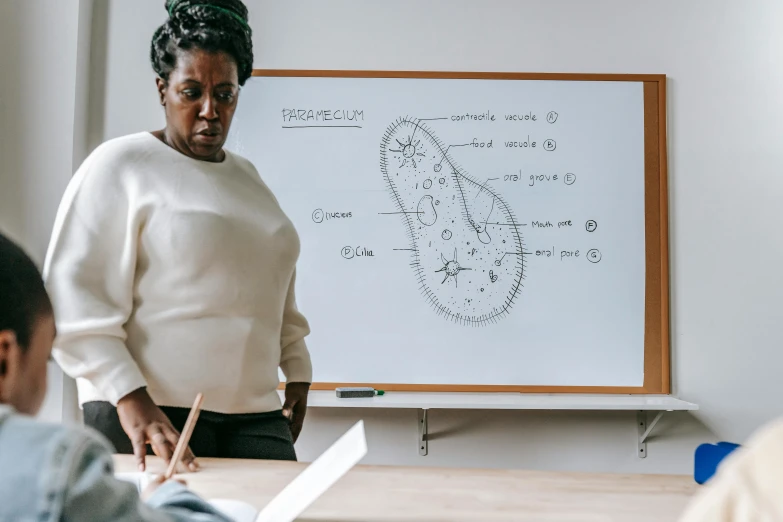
(748, 486)
(50, 472)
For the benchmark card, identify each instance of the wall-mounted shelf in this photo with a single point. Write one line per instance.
(424, 401)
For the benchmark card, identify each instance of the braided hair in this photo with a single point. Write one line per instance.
(209, 25)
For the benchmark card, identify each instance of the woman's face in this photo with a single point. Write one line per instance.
(200, 98)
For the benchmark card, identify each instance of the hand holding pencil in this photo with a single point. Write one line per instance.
(145, 422)
(179, 451)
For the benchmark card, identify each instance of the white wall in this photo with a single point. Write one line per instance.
(38, 39)
(42, 46)
(725, 112)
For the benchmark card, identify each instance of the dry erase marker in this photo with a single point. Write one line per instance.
(355, 392)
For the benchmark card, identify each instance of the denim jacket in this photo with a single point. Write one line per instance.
(54, 473)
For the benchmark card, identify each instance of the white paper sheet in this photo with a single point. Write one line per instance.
(301, 492)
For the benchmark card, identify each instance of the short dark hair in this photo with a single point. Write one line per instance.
(23, 296)
(210, 25)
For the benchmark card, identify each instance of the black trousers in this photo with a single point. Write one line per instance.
(232, 436)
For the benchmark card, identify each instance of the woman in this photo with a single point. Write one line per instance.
(172, 267)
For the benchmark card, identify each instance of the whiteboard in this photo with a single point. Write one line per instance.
(460, 231)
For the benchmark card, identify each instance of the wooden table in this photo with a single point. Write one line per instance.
(392, 494)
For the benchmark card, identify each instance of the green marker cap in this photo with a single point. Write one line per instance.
(379, 392)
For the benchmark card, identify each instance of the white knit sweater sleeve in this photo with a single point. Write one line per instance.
(89, 272)
(295, 357)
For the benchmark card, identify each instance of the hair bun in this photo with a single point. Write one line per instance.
(234, 7)
(215, 25)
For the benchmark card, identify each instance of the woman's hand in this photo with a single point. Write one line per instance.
(145, 423)
(295, 405)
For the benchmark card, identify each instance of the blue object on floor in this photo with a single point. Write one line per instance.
(708, 457)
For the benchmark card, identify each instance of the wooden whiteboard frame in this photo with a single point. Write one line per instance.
(657, 379)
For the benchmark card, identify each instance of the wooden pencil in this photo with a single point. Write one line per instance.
(184, 438)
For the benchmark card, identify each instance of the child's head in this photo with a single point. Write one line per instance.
(26, 330)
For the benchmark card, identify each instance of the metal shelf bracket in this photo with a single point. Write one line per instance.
(423, 428)
(644, 429)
